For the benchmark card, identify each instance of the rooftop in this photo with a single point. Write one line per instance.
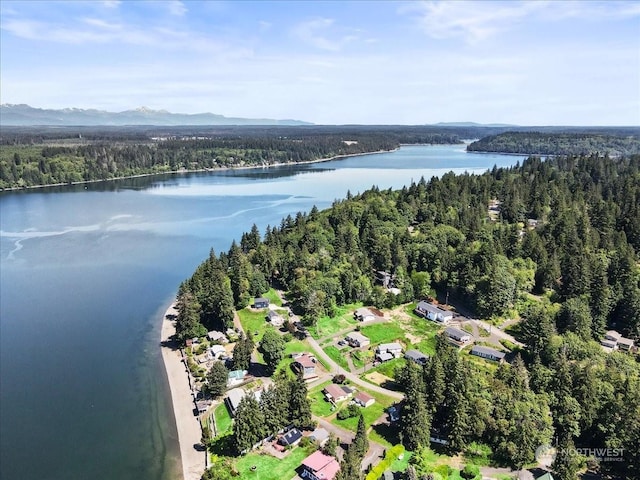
(324, 466)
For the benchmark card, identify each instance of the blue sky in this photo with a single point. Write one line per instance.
(528, 63)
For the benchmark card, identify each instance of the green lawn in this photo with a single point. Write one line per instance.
(223, 419)
(337, 356)
(253, 321)
(273, 297)
(401, 464)
(370, 414)
(383, 332)
(343, 319)
(319, 405)
(387, 368)
(271, 468)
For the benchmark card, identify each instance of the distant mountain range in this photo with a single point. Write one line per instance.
(473, 124)
(24, 115)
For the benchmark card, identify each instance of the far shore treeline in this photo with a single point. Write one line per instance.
(570, 275)
(38, 156)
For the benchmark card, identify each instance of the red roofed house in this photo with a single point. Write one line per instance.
(319, 466)
(306, 365)
(364, 399)
(336, 393)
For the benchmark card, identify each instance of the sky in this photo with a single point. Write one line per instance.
(330, 62)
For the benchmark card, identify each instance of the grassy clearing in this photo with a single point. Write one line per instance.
(370, 414)
(319, 405)
(401, 464)
(383, 332)
(271, 468)
(223, 419)
(343, 319)
(337, 356)
(273, 297)
(388, 368)
(253, 321)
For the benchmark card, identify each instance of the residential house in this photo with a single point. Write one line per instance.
(390, 349)
(319, 466)
(625, 343)
(363, 314)
(306, 365)
(217, 351)
(275, 318)
(319, 436)
(290, 438)
(486, 352)
(336, 393)
(218, 337)
(233, 398)
(430, 311)
(416, 356)
(236, 377)
(457, 335)
(615, 340)
(357, 340)
(546, 476)
(363, 399)
(260, 302)
(202, 406)
(385, 278)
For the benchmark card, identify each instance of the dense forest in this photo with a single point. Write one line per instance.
(30, 159)
(49, 156)
(547, 143)
(569, 275)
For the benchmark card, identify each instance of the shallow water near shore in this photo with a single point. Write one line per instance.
(86, 274)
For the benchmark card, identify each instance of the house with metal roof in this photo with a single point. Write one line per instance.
(488, 353)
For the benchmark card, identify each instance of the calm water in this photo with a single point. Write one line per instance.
(87, 272)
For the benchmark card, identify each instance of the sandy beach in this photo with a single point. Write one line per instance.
(189, 433)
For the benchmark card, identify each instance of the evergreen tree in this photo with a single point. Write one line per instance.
(299, 406)
(217, 379)
(360, 442)
(272, 347)
(248, 425)
(350, 467)
(415, 419)
(242, 352)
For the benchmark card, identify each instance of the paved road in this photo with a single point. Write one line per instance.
(373, 455)
(354, 378)
(495, 331)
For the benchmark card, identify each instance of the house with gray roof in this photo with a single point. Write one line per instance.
(356, 340)
(457, 335)
(416, 356)
(434, 313)
(488, 353)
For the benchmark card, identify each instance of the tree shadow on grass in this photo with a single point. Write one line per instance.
(388, 431)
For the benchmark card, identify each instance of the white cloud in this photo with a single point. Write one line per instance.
(177, 8)
(111, 3)
(473, 21)
(313, 32)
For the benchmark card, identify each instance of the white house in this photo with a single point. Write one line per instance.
(356, 339)
(457, 335)
(427, 310)
(363, 314)
(486, 352)
(394, 349)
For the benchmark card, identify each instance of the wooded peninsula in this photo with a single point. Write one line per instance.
(31, 156)
(544, 250)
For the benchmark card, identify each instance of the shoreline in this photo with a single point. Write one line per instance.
(200, 170)
(187, 424)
